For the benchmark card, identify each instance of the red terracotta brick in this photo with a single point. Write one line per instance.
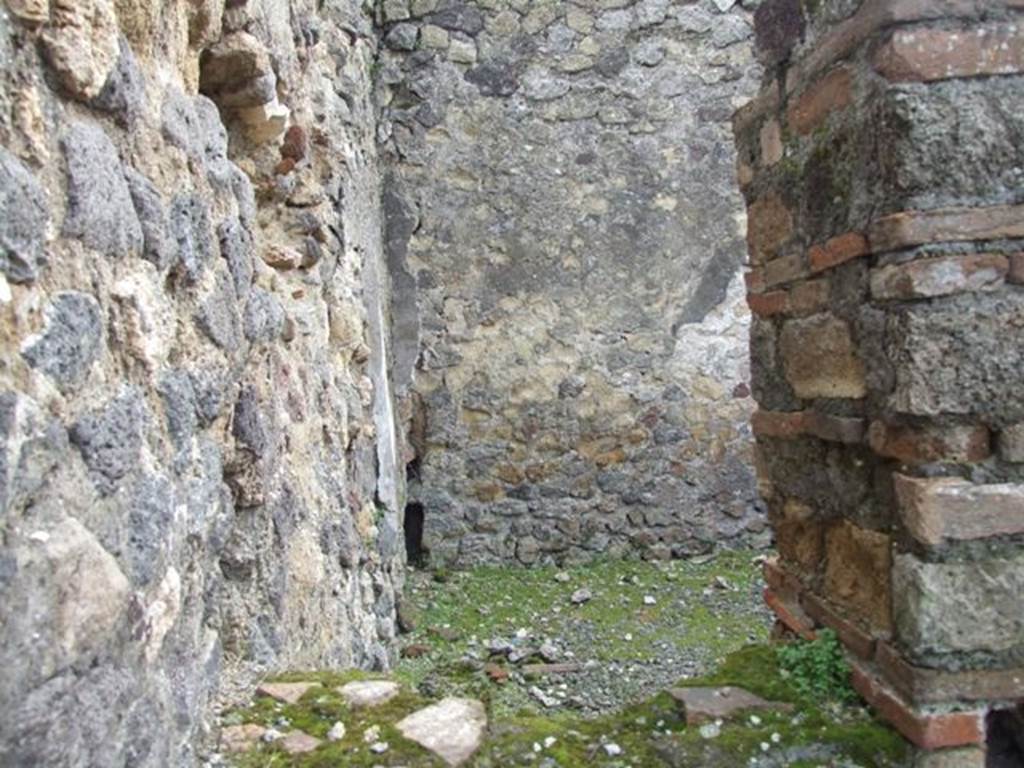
(928, 731)
(920, 685)
(922, 445)
(780, 581)
(808, 297)
(873, 15)
(835, 429)
(784, 269)
(792, 616)
(772, 149)
(838, 250)
(832, 92)
(910, 228)
(1016, 274)
(850, 635)
(784, 424)
(769, 226)
(755, 280)
(945, 508)
(767, 304)
(923, 55)
(942, 276)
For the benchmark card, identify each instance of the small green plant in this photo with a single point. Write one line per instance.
(818, 668)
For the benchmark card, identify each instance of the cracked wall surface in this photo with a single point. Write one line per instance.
(197, 472)
(564, 236)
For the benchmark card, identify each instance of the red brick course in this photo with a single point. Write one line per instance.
(922, 445)
(939, 509)
(791, 615)
(837, 251)
(832, 92)
(941, 276)
(923, 55)
(910, 228)
(919, 685)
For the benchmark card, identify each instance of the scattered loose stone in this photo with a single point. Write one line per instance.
(543, 698)
(710, 730)
(298, 743)
(649, 600)
(379, 747)
(415, 650)
(496, 672)
(371, 734)
(337, 732)
(369, 693)
(612, 749)
(241, 738)
(562, 577)
(287, 693)
(581, 596)
(452, 729)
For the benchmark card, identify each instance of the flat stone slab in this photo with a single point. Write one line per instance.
(453, 729)
(369, 693)
(699, 705)
(241, 738)
(298, 742)
(563, 668)
(289, 693)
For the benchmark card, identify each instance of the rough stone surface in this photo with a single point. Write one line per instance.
(70, 341)
(100, 210)
(942, 608)
(288, 693)
(698, 705)
(24, 215)
(369, 693)
(564, 242)
(452, 729)
(198, 486)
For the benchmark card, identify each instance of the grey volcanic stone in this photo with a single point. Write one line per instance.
(180, 123)
(70, 340)
(150, 516)
(494, 78)
(459, 17)
(24, 215)
(191, 232)
(179, 400)
(110, 439)
(237, 249)
(402, 37)
(124, 92)
(100, 211)
(149, 207)
(218, 316)
(264, 317)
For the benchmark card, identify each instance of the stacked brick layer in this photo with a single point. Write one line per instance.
(882, 167)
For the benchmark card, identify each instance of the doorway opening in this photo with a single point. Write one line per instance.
(415, 552)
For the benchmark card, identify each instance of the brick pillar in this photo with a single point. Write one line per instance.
(883, 168)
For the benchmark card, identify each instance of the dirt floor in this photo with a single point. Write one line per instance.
(574, 667)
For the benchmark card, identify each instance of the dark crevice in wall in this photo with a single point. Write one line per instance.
(1005, 738)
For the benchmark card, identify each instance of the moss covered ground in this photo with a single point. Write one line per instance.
(705, 613)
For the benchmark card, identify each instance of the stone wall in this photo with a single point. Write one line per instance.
(197, 474)
(564, 235)
(882, 166)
